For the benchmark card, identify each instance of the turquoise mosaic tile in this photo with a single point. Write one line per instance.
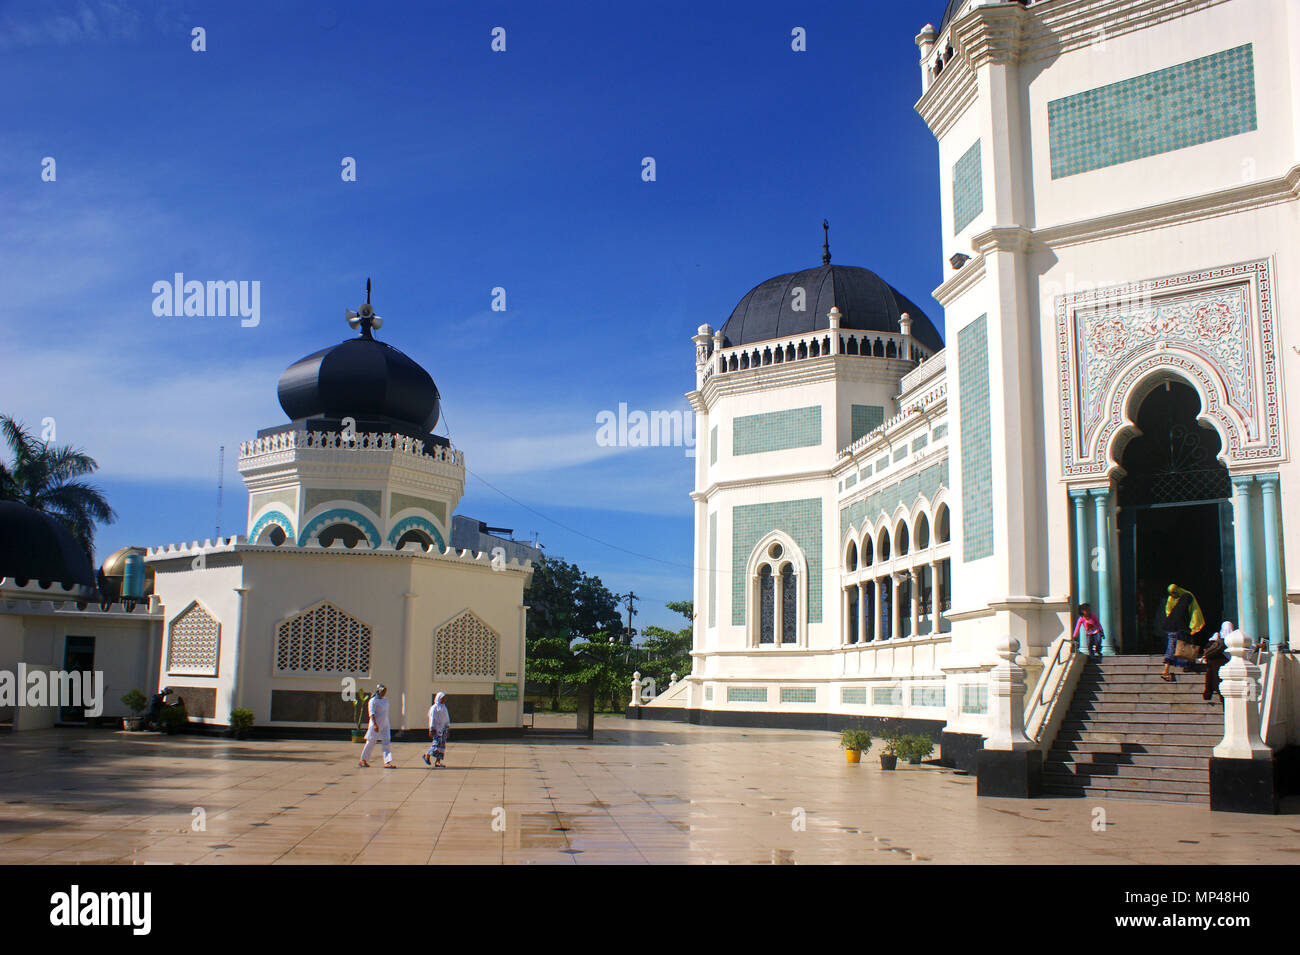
(713, 569)
(967, 188)
(920, 442)
(746, 694)
(900, 453)
(882, 463)
(708, 693)
(798, 694)
(865, 419)
(802, 520)
(886, 696)
(864, 473)
(853, 695)
(925, 483)
(713, 445)
(928, 696)
(976, 440)
(1185, 105)
(849, 482)
(777, 430)
(975, 698)
(940, 431)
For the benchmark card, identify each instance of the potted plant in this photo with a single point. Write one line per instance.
(174, 719)
(135, 701)
(918, 747)
(361, 716)
(894, 746)
(241, 720)
(854, 742)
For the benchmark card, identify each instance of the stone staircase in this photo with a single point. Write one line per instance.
(1129, 735)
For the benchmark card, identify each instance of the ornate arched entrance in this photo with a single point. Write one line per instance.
(1175, 518)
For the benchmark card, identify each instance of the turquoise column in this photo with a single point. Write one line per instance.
(1082, 566)
(1268, 487)
(1245, 546)
(1100, 499)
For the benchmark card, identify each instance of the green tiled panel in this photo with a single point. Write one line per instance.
(713, 445)
(850, 481)
(315, 497)
(967, 189)
(925, 483)
(854, 695)
(975, 699)
(746, 694)
(1185, 105)
(777, 430)
(920, 442)
(882, 462)
(886, 696)
(866, 418)
(927, 696)
(900, 453)
(864, 473)
(976, 440)
(713, 569)
(802, 520)
(708, 693)
(798, 694)
(940, 430)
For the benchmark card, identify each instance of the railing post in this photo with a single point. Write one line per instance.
(1243, 775)
(636, 689)
(1010, 764)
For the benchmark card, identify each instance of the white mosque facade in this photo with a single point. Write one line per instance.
(881, 521)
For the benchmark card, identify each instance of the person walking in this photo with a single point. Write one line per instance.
(1181, 619)
(1214, 657)
(1088, 625)
(439, 727)
(379, 730)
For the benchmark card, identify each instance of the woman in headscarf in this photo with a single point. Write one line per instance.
(379, 730)
(1214, 657)
(439, 727)
(1182, 618)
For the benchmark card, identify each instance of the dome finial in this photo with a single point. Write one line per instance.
(826, 242)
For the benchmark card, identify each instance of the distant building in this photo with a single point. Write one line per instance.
(477, 537)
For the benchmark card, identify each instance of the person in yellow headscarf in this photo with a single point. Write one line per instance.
(1182, 618)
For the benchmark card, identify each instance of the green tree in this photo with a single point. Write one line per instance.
(664, 652)
(49, 480)
(564, 605)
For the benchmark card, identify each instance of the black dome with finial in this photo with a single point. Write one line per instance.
(364, 379)
(36, 547)
(865, 300)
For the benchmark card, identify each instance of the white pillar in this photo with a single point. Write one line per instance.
(778, 591)
(1239, 684)
(845, 603)
(914, 591)
(862, 612)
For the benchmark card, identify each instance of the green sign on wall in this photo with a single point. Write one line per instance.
(506, 691)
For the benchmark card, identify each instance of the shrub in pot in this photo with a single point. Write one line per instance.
(855, 741)
(174, 719)
(135, 701)
(894, 746)
(918, 748)
(241, 721)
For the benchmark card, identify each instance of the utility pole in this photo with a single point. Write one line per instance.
(221, 477)
(631, 598)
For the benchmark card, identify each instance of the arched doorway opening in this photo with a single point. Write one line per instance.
(1175, 517)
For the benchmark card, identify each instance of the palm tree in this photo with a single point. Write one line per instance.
(46, 479)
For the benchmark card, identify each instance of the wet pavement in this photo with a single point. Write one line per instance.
(640, 792)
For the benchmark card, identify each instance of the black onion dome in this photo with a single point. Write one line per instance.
(364, 379)
(866, 303)
(34, 546)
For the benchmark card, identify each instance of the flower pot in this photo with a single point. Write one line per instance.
(914, 761)
(888, 762)
(853, 755)
(132, 723)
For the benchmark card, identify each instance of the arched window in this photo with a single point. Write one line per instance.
(789, 604)
(744, 360)
(851, 559)
(766, 605)
(351, 536)
(922, 532)
(803, 350)
(882, 549)
(878, 350)
(815, 348)
(852, 348)
(891, 350)
(274, 536)
(866, 551)
(941, 525)
(901, 540)
(789, 353)
(415, 536)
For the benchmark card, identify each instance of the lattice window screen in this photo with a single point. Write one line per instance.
(193, 640)
(465, 647)
(323, 640)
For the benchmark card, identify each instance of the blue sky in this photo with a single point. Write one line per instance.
(475, 170)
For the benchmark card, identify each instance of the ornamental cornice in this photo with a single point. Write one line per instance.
(714, 488)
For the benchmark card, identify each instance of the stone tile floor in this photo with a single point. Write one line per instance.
(639, 793)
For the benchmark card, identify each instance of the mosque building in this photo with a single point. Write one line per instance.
(343, 579)
(884, 531)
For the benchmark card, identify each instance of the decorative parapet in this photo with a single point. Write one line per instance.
(849, 343)
(361, 443)
(917, 406)
(240, 544)
(932, 366)
(35, 597)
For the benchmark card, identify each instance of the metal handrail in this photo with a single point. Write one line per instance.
(1055, 665)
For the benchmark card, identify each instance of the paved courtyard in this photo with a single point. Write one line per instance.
(639, 793)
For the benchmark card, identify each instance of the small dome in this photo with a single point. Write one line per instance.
(364, 379)
(866, 303)
(36, 547)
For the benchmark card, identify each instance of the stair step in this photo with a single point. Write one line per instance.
(1124, 784)
(1070, 734)
(1139, 723)
(1182, 750)
(1096, 792)
(1106, 703)
(1153, 760)
(1080, 770)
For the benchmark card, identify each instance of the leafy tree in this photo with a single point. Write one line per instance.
(564, 605)
(665, 652)
(48, 479)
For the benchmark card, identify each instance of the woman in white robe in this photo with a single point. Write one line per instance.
(379, 730)
(439, 726)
